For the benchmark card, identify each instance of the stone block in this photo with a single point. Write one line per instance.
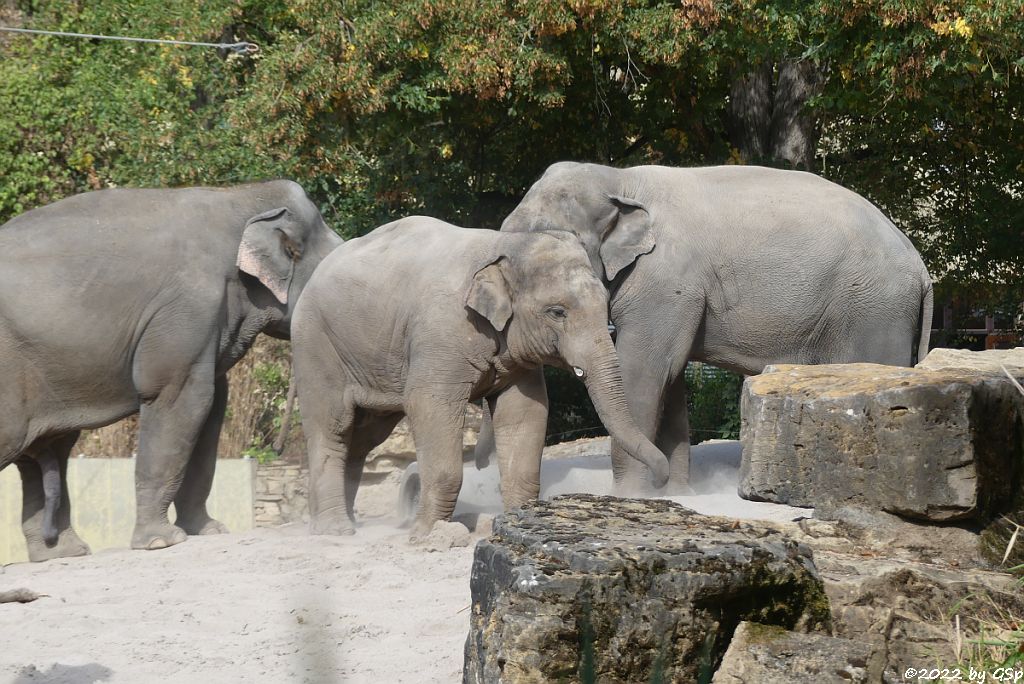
(591, 588)
(940, 445)
(773, 655)
(989, 361)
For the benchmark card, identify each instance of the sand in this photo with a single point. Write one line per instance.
(271, 605)
(277, 605)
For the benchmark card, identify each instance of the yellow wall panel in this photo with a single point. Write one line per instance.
(103, 502)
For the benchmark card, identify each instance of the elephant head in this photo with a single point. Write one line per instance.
(589, 201)
(282, 246)
(543, 298)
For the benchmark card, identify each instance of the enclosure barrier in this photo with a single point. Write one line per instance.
(103, 502)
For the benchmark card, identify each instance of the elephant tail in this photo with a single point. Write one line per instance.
(927, 307)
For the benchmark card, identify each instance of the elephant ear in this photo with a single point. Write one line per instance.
(489, 295)
(630, 236)
(268, 252)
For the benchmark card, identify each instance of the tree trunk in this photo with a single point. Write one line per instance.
(286, 419)
(750, 113)
(794, 134)
(767, 117)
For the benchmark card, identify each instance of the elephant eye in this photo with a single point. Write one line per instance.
(557, 312)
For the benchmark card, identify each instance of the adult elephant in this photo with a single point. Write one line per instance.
(434, 316)
(140, 300)
(735, 266)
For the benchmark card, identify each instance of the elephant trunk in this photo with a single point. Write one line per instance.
(604, 384)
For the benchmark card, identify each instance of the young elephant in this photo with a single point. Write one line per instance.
(418, 318)
(140, 300)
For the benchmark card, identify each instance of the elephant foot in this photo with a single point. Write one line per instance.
(420, 531)
(331, 524)
(678, 484)
(157, 536)
(677, 489)
(68, 545)
(200, 527)
(634, 489)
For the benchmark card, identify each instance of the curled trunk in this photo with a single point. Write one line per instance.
(604, 384)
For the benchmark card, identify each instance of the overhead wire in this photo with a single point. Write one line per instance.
(242, 47)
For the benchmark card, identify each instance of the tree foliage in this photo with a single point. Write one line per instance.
(450, 108)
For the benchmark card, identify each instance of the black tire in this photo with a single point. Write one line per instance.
(409, 496)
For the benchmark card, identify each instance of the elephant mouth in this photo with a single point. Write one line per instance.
(580, 373)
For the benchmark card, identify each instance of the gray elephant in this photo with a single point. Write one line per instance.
(420, 317)
(130, 300)
(736, 266)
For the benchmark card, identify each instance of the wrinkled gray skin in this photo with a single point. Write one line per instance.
(420, 317)
(127, 300)
(736, 266)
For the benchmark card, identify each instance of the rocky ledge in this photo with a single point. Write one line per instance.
(764, 654)
(585, 588)
(591, 588)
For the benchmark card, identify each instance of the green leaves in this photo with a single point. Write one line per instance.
(453, 109)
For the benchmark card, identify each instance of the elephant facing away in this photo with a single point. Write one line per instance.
(140, 300)
(736, 266)
(418, 318)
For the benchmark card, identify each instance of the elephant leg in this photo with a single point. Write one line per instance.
(50, 466)
(648, 364)
(329, 443)
(644, 384)
(368, 432)
(674, 437)
(169, 428)
(520, 417)
(190, 502)
(437, 423)
(33, 504)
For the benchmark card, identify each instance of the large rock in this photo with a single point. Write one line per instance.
(989, 361)
(905, 588)
(908, 611)
(585, 588)
(941, 444)
(773, 655)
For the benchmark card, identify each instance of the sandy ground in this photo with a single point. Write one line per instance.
(272, 605)
(276, 605)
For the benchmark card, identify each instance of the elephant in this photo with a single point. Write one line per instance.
(124, 301)
(735, 266)
(420, 317)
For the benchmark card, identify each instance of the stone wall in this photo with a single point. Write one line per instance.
(281, 494)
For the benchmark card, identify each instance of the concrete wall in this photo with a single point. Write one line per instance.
(103, 502)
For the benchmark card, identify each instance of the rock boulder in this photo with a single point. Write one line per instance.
(936, 444)
(585, 588)
(988, 361)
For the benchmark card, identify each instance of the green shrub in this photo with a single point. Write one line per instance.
(713, 402)
(988, 633)
(571, 414)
